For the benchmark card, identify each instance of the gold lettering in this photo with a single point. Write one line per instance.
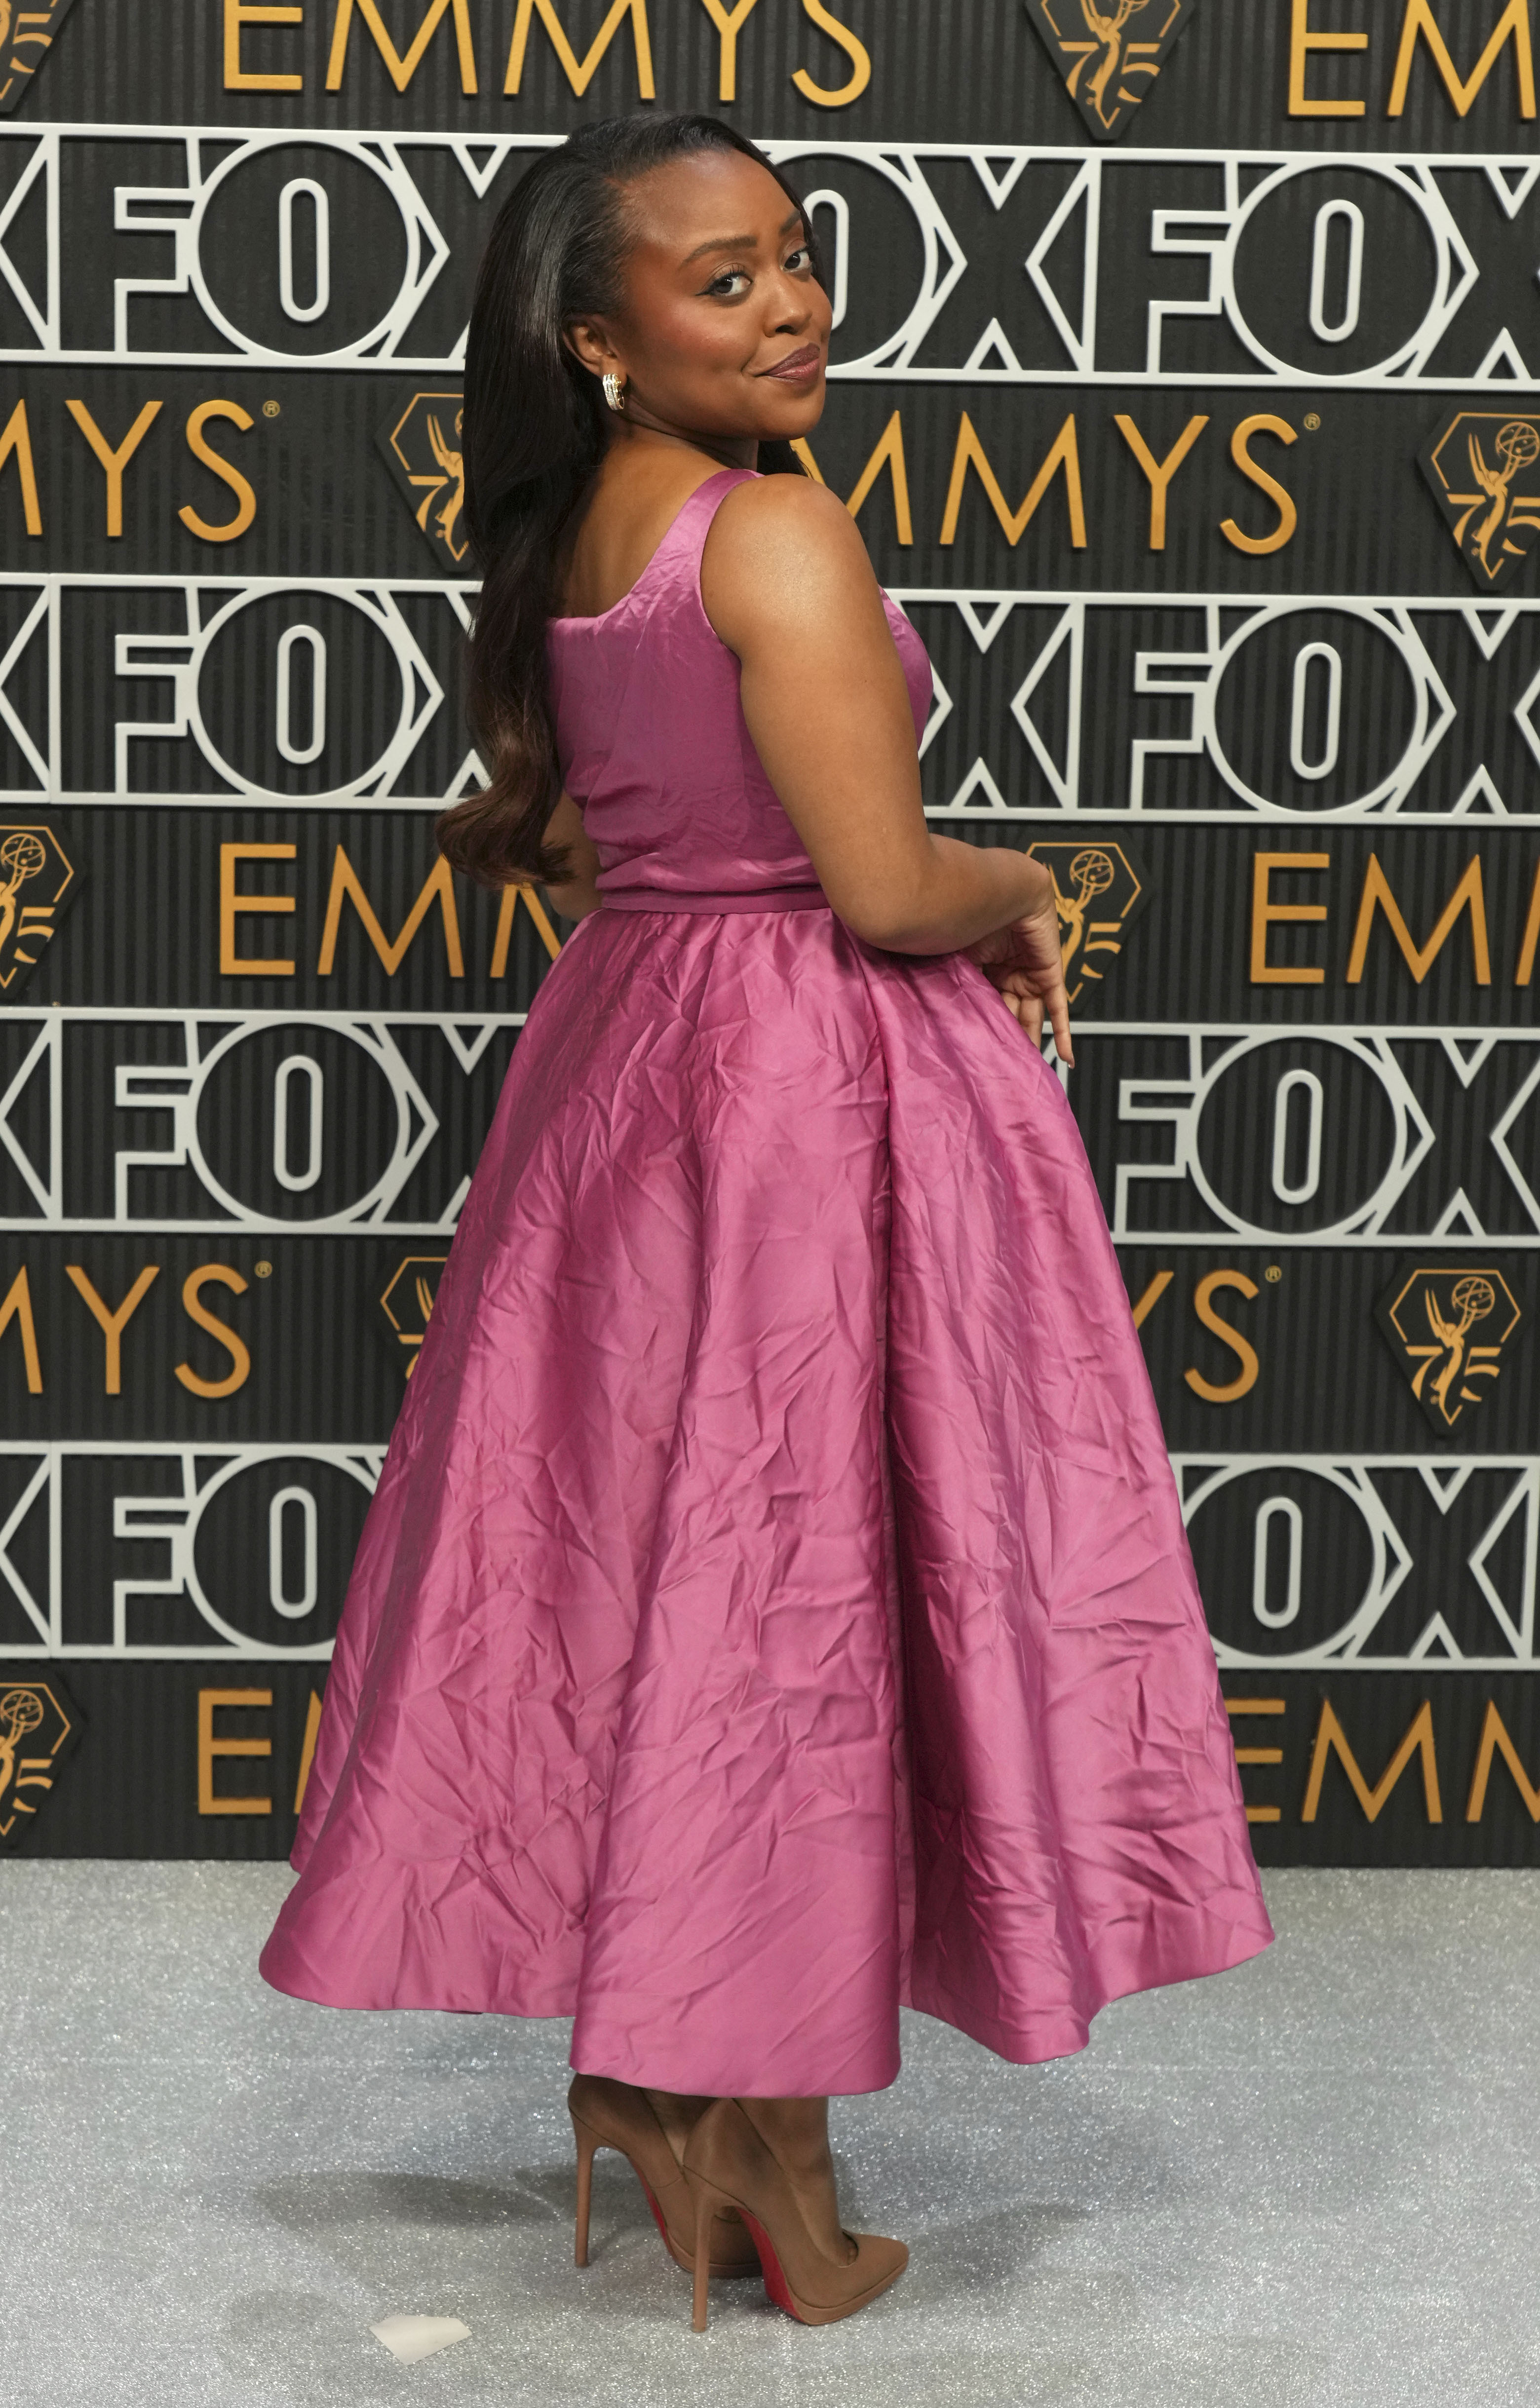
(114, 461)
(211, 1746)
(1244, 1352)
(728, 28)
(512, 897)
(1289, 517)
(114, 1324)
(970, 452)
(16, 1305)
(238, 14)
(1530, 939)
(1259, 1754)
(1158, 472)
(580, 74)
(1330, 1738)
(195, 1310)
(888, 454)
(232, 901)
(1377, 897)
(1301, 41)
(401, 70)
(1419, 19)
(16, 439)
(1495, 1735)
(307, 1750)
(857, 53)
(1265, 911)
(1151, 1298)
(201, 449)
(437, 887)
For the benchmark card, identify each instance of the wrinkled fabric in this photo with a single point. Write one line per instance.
(775, 1606)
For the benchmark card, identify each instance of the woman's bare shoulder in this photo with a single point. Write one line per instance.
(628, 510)
(779, 546)
(790, 516)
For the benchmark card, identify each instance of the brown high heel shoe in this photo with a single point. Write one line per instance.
(611, 2115)
(729, 2161)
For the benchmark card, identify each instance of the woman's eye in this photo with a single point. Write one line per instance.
(732, 285)
(799, 261)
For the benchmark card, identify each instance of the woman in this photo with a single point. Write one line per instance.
(775, 1605)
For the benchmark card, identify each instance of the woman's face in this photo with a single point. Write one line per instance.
(725, 330)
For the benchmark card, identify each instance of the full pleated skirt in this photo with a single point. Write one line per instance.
(775, 1606)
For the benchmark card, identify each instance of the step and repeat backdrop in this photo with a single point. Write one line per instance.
(1185, 392)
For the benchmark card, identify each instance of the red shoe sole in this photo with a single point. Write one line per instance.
(770, 2266)
(723, 2272)
(658, 2217)
(780, 2289)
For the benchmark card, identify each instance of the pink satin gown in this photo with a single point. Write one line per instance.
(775, 1606)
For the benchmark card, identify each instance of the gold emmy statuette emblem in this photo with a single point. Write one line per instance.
(26, 36)
(1447, 1327)
(408, 1301)
(1099, 892)
(422, 450)
(38, 1723)
(36, 882)
(1109, 53)
(1484, 468)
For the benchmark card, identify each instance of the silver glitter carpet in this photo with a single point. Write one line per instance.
(1314, 2181)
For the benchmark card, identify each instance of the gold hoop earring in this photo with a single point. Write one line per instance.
(614, 391)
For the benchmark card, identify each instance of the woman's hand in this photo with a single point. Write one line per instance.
(1025, 963)
(577, 895)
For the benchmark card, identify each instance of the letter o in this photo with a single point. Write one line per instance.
(315, 643)
(1352, 217)
(1277, 1618)
(292, 1608)
(305, 313)
(297, 1181)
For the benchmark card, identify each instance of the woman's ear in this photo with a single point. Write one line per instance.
(589, 344)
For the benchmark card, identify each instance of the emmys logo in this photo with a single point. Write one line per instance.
(26, 37)
(37, 1726)
(36, 877)
(1449, 1328)
(1482, 467)
(408, 1301)
(1098, 892)
(1109, 54)
(421, 449)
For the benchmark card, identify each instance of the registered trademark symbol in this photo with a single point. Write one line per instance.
(265, 1271)
(271, 409)
(1273, 1274)
(1311, 418)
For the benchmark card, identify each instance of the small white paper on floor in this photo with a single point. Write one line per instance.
(409, 2338)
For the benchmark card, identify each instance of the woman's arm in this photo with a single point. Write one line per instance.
(577, 893)
(788, 587)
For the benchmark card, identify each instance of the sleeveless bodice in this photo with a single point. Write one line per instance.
(652, 742)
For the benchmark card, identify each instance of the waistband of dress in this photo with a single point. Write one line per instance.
(764, 898)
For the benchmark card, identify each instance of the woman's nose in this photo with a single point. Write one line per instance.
(790, 309)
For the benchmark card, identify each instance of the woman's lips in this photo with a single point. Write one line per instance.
(798, 367)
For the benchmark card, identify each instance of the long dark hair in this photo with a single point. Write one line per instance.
(533, 436)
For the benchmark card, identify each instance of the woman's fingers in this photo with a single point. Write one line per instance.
(1034, 1007)
(1034, 1010)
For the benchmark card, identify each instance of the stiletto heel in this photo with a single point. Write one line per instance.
(706, 2207)
(588, 2142)
(728, 2162)
(611, 2115)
